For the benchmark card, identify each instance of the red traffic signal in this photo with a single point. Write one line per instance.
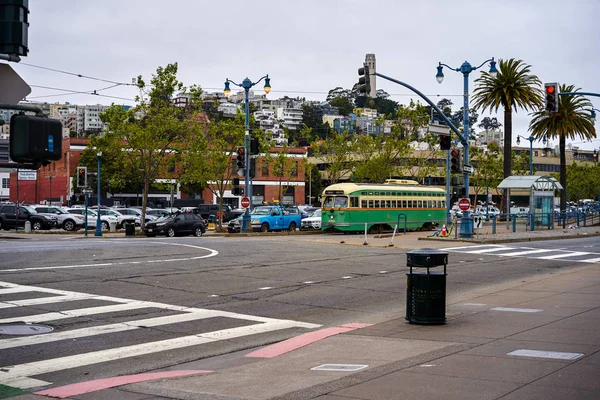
(454, 153)
(241, 151)
(550, 89)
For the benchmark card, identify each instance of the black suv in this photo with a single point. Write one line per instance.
(13, 216)
(209, 211)
(175, 225)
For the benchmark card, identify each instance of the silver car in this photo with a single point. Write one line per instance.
(68, 221)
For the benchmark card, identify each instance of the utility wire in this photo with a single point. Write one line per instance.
(78, 75)
(71, 92)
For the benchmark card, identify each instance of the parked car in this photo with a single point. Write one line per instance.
(313, 221)
(68, 221)
(14, 216)
(208, 211)
(305, 211)
(160, 212)
(269, 218)
(121, 219)
(92, 217)
(491, 211)
(175, 225)
(136, 213)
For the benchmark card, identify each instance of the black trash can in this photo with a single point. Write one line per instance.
(426, 290)
(129, 229)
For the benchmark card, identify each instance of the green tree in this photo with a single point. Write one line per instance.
(488, 169)
(284, 166)
(343, 104)
(514, 87)
(337, 153)
(489, 124)
(421, 161)
(570, 122)
(378, 158)
(410, 120)
(313, 180)
(150, 132)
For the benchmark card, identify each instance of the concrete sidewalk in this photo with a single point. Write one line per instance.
(532, 339)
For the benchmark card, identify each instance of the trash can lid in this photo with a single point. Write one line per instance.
(426, 258)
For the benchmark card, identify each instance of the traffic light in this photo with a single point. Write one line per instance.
(81, 177)
(444, 142)
(252, 172)
(241, 159)
(455, 160)
(14, 27)
(235, 190)
(254, 146)
(364, 82)
(35, 139)
(551, 93)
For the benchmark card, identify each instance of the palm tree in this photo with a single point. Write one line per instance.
(512, 88)
(571, 121)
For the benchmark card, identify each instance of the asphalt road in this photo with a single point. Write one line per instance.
(123, 306)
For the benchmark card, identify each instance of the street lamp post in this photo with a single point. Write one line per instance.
(531, 139)
(466, 69)
(98, 231)
(246, 85)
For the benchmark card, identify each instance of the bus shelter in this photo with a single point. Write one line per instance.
(542, 190)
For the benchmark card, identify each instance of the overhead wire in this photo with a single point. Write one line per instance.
(78, 75)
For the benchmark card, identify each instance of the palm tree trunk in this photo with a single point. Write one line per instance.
(563, 171)
(507, 142)
(507, 151)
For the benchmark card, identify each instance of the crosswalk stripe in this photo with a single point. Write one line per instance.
(591, 260)
(572, 254)
(13, 290)
(10, 375)
(473, 247)
(488, 250)
(105, 329)
(525, 252)
(44, 300)
(81, 312)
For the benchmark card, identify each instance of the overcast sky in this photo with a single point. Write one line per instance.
(307, 46)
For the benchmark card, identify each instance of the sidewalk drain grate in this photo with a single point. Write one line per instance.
(339, 367)
(558, 355)
(24, 329)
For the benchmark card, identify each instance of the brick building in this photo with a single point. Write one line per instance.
(52, 183)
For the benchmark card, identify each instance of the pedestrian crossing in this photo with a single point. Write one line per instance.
(529, 252)
(22, 375)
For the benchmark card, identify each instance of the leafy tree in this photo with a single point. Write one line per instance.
(410, 120)
(571, 121)
(310, 117)
(445, 105)
(343, 104)
(378, 158)
(514, 87)
(313, 180)
(148, 133)
(422, 160)
(336, 153)
(520, 163)
(488, 169)
(583, 181)
(489, 124)
(284, 167)
(457, 118)
(339, 92)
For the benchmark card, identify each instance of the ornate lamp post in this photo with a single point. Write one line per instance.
(246, 85)
(98, 231)
(531, 139)
(466, 69)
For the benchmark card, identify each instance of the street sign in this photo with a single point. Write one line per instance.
(464, 204)
(245, 202)
(469, 169)
(27, 175)
(12, 87)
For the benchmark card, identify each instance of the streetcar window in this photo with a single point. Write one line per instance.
(363, 204)
(370, 203)
(388, 204)
(420, 204)
(353, 201)
(393, 203)
(409, 204)
(335, 201)
(429, 202)
(376, 204)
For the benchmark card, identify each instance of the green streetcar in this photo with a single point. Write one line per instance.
(350, 207)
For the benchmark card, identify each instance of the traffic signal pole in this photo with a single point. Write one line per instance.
(464, 140)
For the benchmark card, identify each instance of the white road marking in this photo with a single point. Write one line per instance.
(481, 251)
(572, 254)
(82, 312)
(18, 375)
(524, 252)
(12, 374)
(211, 252)
(265, 288)
(474, 247)
(591, 260)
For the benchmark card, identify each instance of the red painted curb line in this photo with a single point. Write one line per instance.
(305, 339)
(75, 389)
